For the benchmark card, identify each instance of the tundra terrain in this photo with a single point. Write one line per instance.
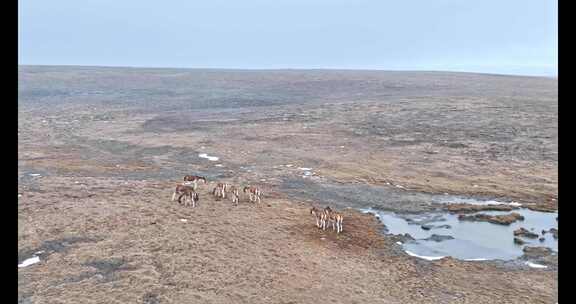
(100, 151)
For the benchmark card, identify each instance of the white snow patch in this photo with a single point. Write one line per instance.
(399, 243)
(305, 169)
(515, 204)
(477, 259)
(534, 265)
(289, 165)
(210, 158)
(184, 220)
(34, 174)
(399, 186)
(28, 262)
(423, 256)
(19, 195)
(219, 165)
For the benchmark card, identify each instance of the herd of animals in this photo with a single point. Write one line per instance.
(187, 195)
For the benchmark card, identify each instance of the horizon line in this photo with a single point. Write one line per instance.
(555, 76)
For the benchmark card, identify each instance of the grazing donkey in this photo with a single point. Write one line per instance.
(235, 195)
(254, 193)
(220, 190)
(179, 189)
(186, 192)
(191, 195)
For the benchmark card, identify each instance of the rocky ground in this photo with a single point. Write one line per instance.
(100, 150)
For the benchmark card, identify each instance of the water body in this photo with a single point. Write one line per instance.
(471, 240)
(405, 211)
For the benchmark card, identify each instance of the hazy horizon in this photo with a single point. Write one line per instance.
(273, 69)
(490, 37)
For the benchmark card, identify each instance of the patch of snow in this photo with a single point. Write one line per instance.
(40, 252)
(289, 165)
(28, 262)
(423, 256)
(515, 204)
(210, 158)
(477, 259)
(305, 169)
(34, 174)
(399, 243)
(399, 186)
(219, 165)
(534, 265)
(184, 220)
(19, 195)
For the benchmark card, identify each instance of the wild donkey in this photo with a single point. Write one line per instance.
(186, 192)
(254, 193)
(327, 216)
(220, 190)
(235, 195)
(194, 179)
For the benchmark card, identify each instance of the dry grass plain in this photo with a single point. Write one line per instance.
(110, 143)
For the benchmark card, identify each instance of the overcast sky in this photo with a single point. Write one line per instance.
(492, 36)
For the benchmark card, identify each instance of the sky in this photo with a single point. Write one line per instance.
(487, 36)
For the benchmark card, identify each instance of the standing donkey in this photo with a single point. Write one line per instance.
(194, 179)
(254, 193)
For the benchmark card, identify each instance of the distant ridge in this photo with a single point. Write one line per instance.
(285, 70)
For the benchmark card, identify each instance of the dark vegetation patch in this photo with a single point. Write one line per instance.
(109, 269)
(53, 246)
(150, 298)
